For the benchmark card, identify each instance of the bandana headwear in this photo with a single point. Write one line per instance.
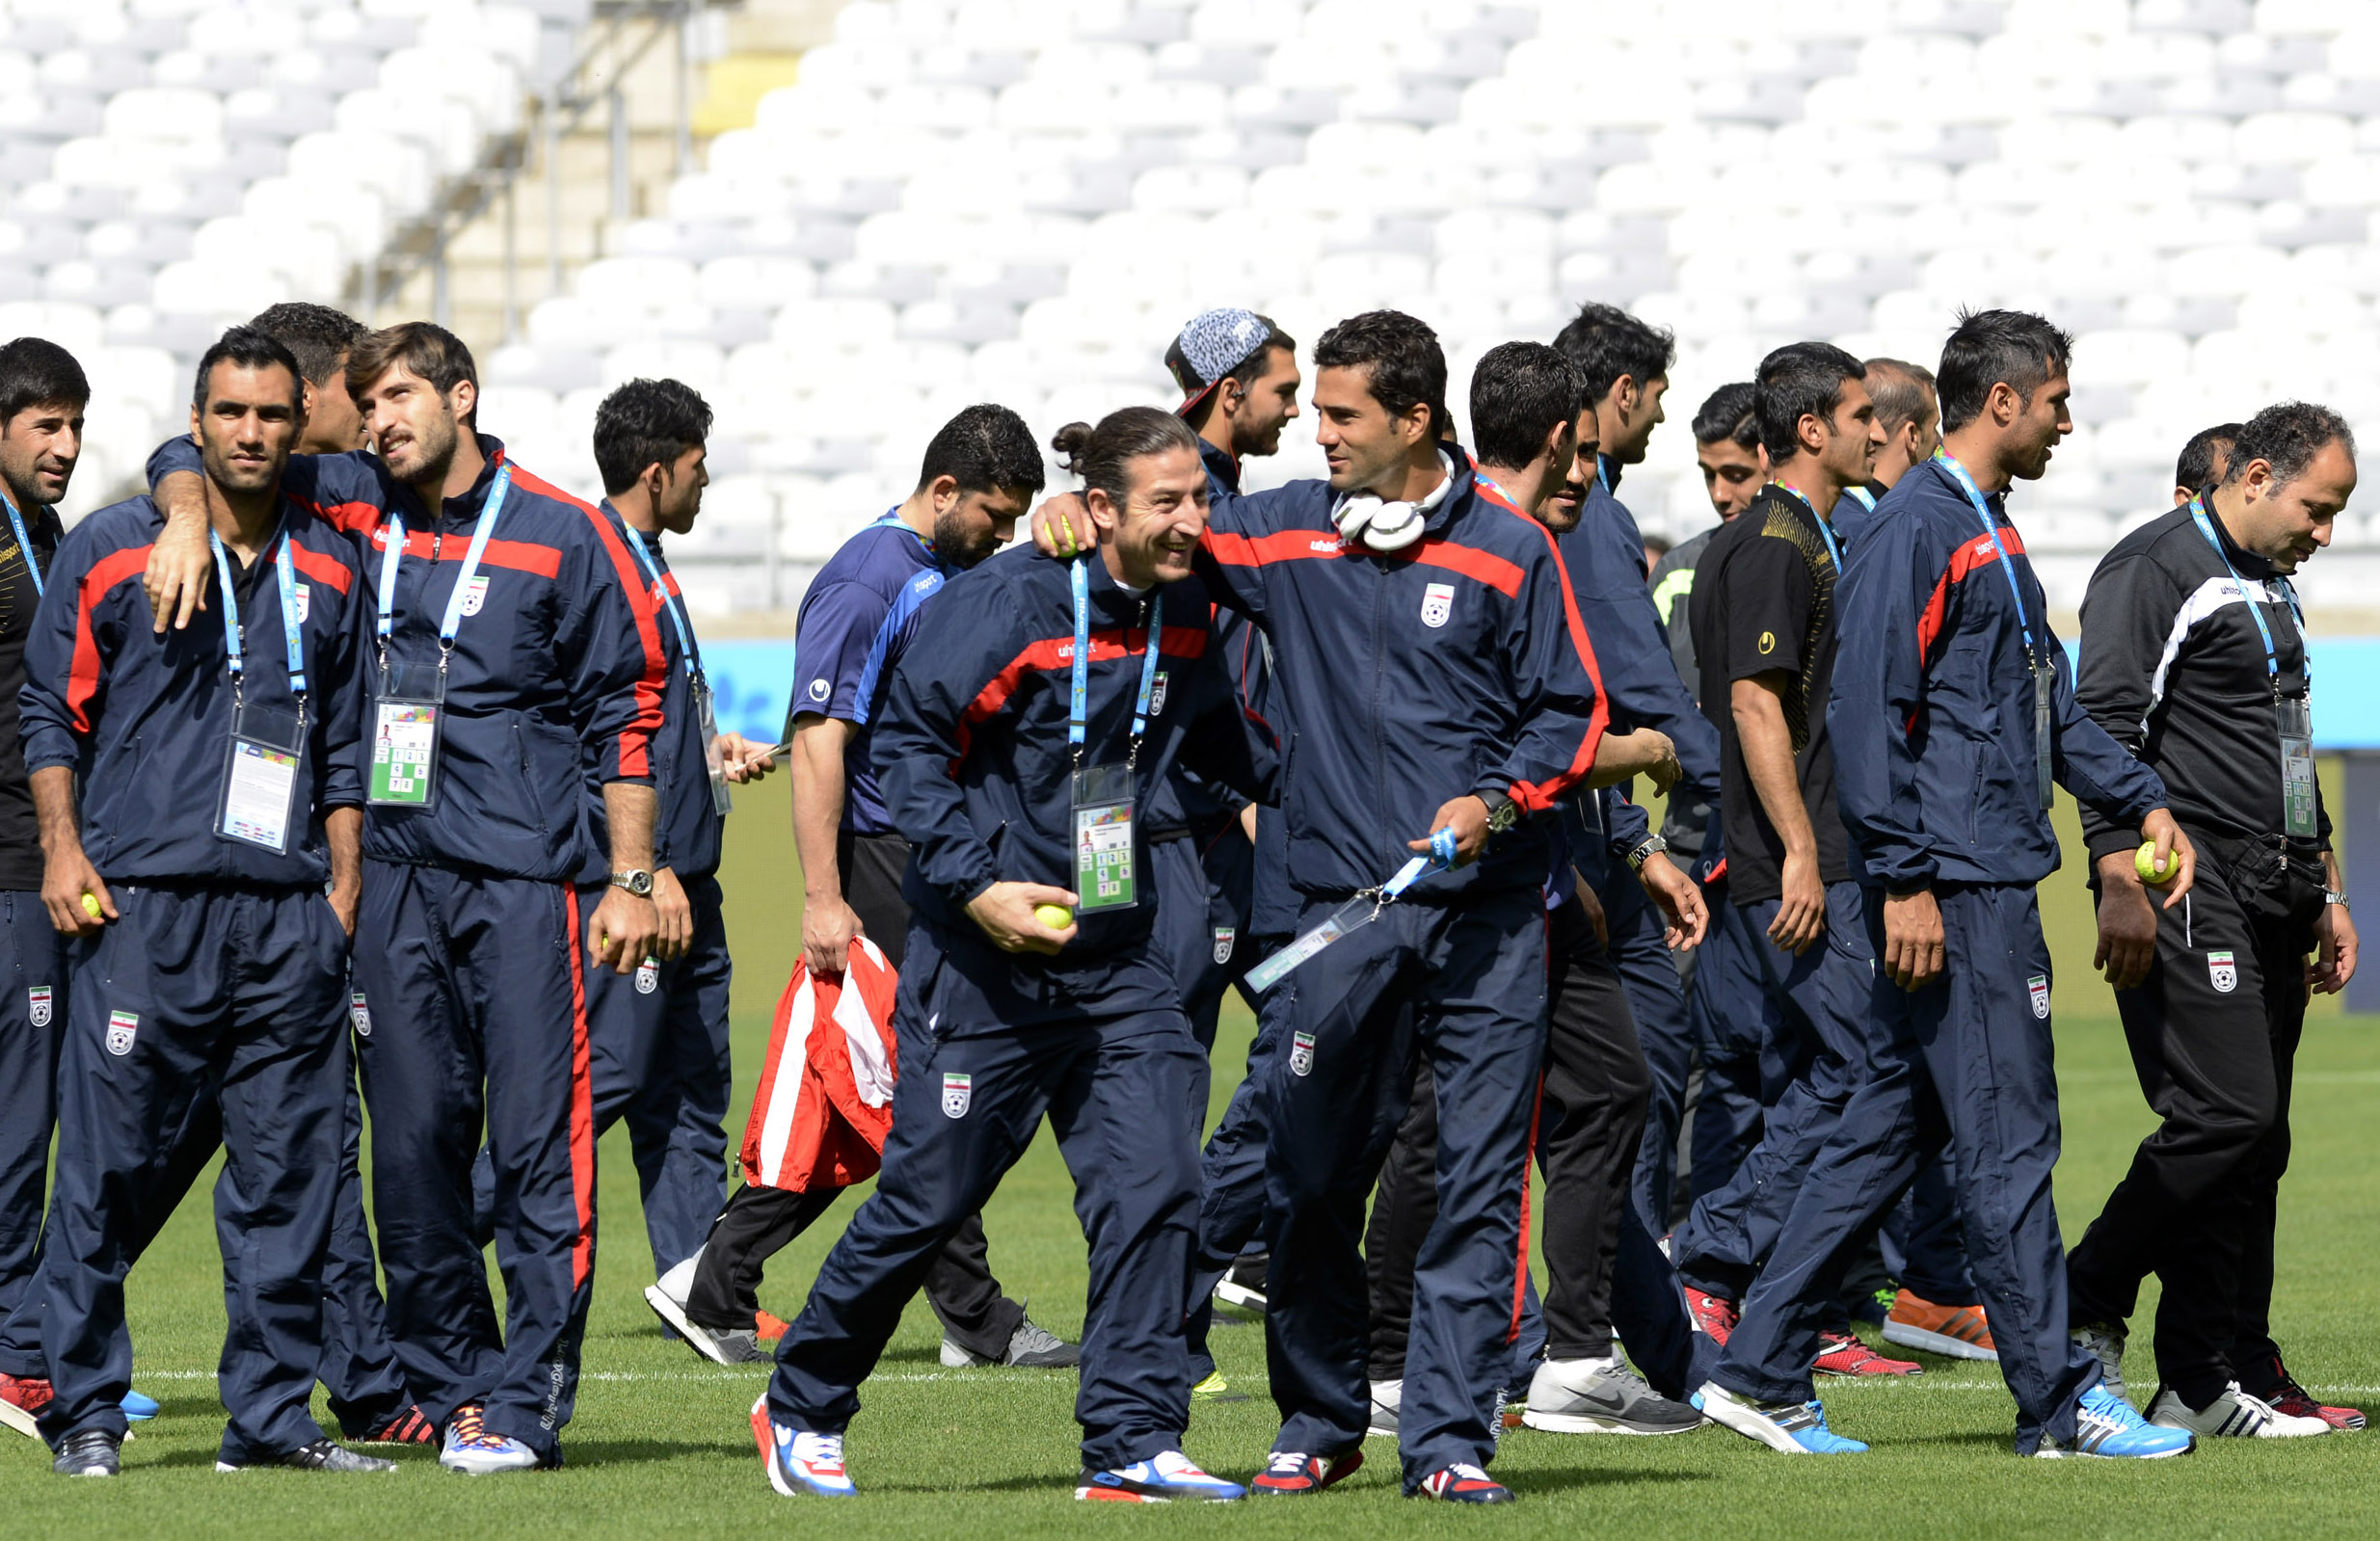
(1216, 344)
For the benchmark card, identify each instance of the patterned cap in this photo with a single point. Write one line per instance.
(1217, 342)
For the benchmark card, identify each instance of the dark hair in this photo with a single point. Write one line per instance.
(2012, 348)
(1800, 379)
(35, 372)
(250, 348)
(1729, 412)
(1606, 342)
(2287, 436)
(1521, 392)
(1403, 363)
(1903, 393)
(428, 351)
(319, 338)
(1099, 455)
(1246, 372)
(646, 422)
(986, 448)
(2194, 467)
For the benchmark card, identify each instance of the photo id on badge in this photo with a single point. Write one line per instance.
(405, 728)
(260, 778)
(2299, 802)
(1102, 838)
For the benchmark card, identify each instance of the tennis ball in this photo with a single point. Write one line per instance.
(91, 905)
(1056, 916)
(2145, 862)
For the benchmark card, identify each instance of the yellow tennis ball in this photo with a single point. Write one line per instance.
(2145, 862)
(1056, 916)
(91, 905)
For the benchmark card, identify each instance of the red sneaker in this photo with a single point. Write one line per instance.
(1287, 1474)
(1713, 1318)
(768, 1328)
(2289, 1397)
(1839, 1353)
(412, 1426)
(22, 1398)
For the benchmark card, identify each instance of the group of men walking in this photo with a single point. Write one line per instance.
(403, 762)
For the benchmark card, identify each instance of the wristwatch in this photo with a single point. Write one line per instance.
(1645, 850)
(2333, 896)
(638, 883)
(1502, 812)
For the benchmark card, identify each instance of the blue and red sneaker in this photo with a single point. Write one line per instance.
(1287, 1474)
(798, 1461)
(1159, 1479)
(1462, 1483)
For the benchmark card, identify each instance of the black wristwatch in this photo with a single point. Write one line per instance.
(637, 882)
(1502, 812)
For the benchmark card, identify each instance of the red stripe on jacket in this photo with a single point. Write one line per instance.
(1976, 553)
(636, 738)
(1533, 796)
(1295, 546)
(83, 674)
(320, 569)
(518, 556)
(1058, 652)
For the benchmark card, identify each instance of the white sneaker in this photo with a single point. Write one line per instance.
(667, 1296)
(1387, 1399)
(1601, 1397)
(2105, 1344)
(799, 1462)
(2234, 1414)
(487, 1455)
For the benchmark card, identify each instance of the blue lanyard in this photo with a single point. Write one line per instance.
(2008, 568)
(1601, 480)
(395, 551)
(16, 522)
(1867, 499)
(660, 592)
(285, 571)
(1825, 531)
(893, 520)
(1078, 709)
(2256, 612)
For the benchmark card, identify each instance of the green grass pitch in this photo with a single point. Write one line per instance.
(660, 1443)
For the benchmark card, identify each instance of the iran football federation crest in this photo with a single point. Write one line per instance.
(37, 1005)
(476, 595)
(2223, 971)
(1437, 604)
(359, 1013)
(1157, 694)
(1224, 936)
(2038, 986)
(648, 977)
(958, 1092)
(1301, 1054)
(122, 1025)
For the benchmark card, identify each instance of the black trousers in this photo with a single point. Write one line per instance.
(759, 1222)
(1590, 1123)
(2213, 1032)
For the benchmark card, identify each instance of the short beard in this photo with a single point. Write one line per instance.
(954, 547)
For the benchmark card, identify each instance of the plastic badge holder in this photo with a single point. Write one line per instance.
(260, 777)
(707, 722)
(1352, 915)
(1102, 838)
(407, 716)
(2297, 780)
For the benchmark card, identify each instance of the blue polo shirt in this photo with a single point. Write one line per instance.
(854, 623)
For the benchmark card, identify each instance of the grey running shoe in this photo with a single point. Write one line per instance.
(1387, 1400)
(93, 1452)
(721, 1345)
(1242, 1288)
(1601, 1397)
(2104, 1343)
(315, 1455)
(1029, 1347)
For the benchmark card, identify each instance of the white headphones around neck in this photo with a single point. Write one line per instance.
(1386, 526)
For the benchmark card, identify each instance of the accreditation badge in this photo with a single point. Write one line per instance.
(2043, 678)
(706, 725)
(2299, 801)
(260, 778)
(406, 718)
(1102, 838)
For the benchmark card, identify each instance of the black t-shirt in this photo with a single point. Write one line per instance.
(1763, 602)
(20, 837)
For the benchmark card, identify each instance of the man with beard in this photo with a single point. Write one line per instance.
(980, 473)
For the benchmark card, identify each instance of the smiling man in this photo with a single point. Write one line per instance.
(2194, 657)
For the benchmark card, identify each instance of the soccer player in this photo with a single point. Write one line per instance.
(2205, 460)
(1726, 445)
(210, 964)
(857, 621)
(512, 678)
(1036, 982)
(1626, 365)
(659, 1038)
(2194, 657)
(1911, 415)
(1953, 714)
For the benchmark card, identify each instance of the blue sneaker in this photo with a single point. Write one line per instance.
(2106, 1425)
(1797, 1429)
(1461, 1483)
(800, 1462)
(1157, 1480)
(139, 1408)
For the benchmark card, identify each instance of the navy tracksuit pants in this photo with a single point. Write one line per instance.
(1202, 914)
(1231, 1171)
(477, 989)
(660, 1061)
(1724, 1015)
(235, 994)
(1640, 951)
(1924, 1247)
(971, 1095)
(1462, 986)
(33, 1018)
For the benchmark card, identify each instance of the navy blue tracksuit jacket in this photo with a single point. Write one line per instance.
(1457, 665)
(471, 950)
(225, 974)
(1932, 720)
(978, 775)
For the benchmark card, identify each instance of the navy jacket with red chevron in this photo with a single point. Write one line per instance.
(145, 720)
(1459, 664)
(1932, 713)
(555, 684)
(972, 754)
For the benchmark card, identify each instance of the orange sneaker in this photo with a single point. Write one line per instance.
(22, 1398)
(1955, 1332)
(1713, 1318)
(766, 1327)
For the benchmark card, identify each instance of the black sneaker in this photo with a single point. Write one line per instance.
(93, 1452)
(315, 1455)
(412, 1426)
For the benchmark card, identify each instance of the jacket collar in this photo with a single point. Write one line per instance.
(1222, 466)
